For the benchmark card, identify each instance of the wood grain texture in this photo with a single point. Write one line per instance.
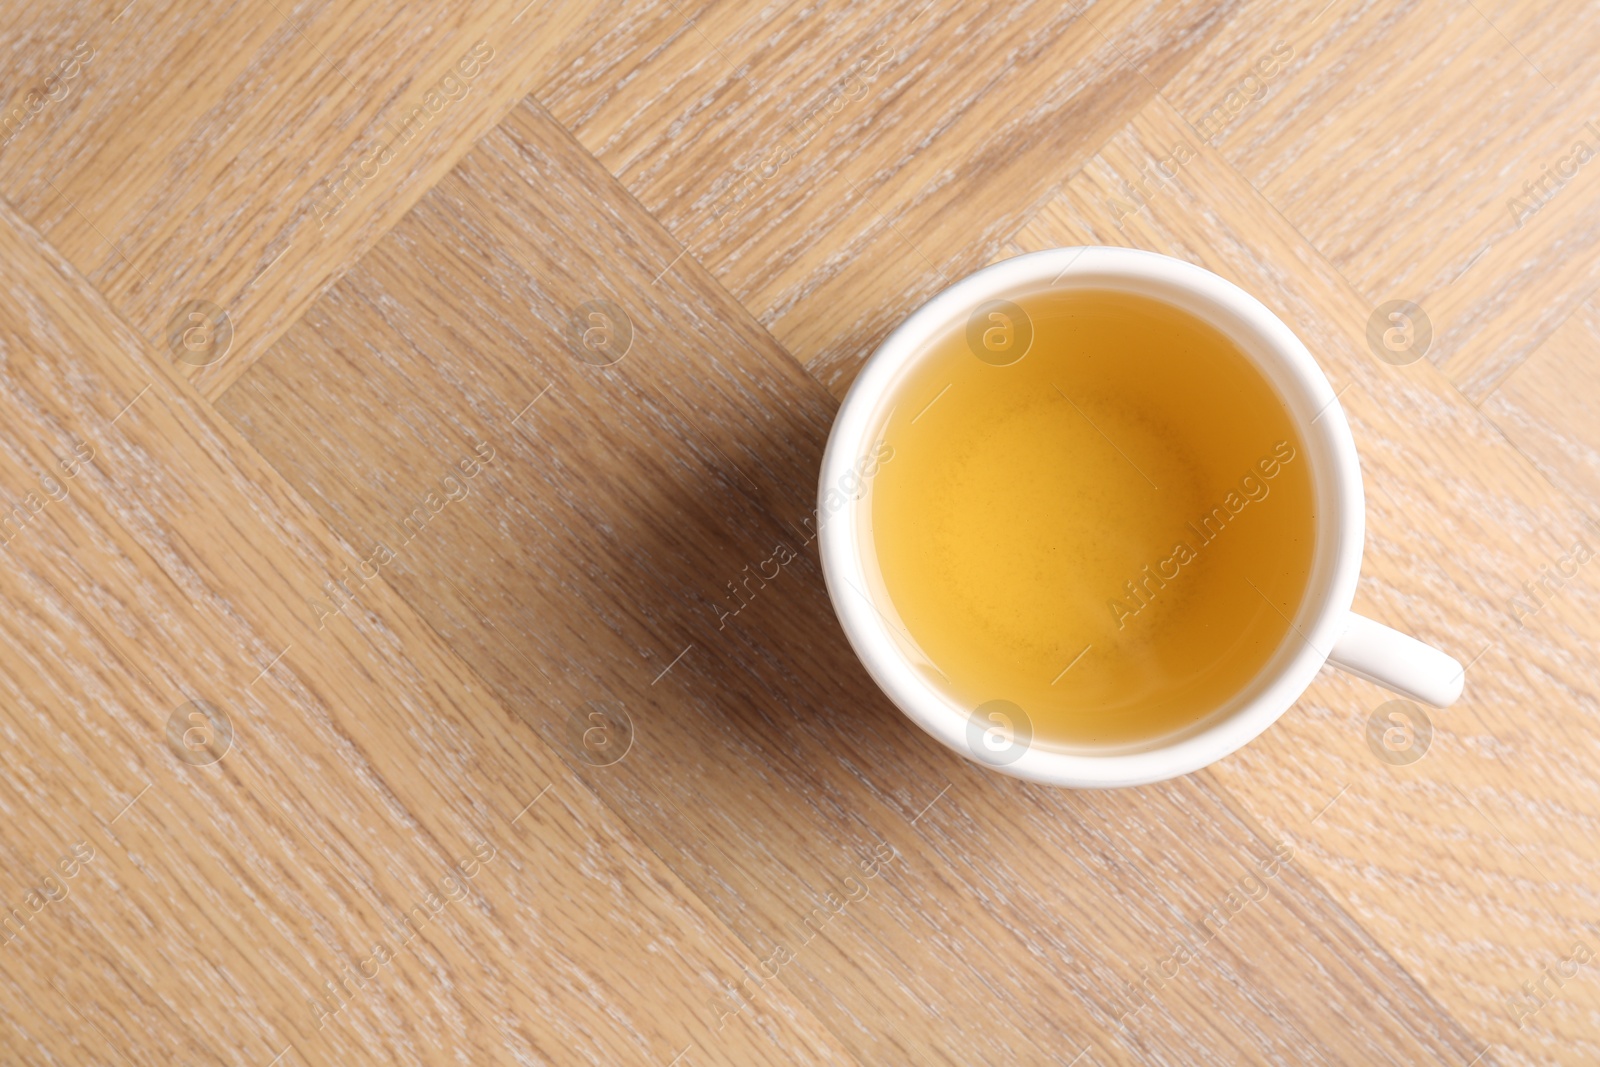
(544, 745)
(1549, 407)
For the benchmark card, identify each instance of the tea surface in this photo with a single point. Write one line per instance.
(1110, 532)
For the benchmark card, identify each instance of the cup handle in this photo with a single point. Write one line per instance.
(1399, 662)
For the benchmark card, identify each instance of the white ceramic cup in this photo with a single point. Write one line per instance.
(1325, 630)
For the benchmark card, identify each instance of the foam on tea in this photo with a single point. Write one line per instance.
(1098, 510)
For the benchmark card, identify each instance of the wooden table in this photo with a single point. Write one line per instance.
(367, 694)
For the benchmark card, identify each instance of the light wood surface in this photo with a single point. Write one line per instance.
(502, 779)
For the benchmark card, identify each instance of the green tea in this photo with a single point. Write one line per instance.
(1110, 530)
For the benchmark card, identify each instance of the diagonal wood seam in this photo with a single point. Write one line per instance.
(329, 540)
(397, 206)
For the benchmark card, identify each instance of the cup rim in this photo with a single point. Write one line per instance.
(1301, 385)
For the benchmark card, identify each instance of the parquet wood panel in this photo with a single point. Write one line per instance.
(463, 592)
